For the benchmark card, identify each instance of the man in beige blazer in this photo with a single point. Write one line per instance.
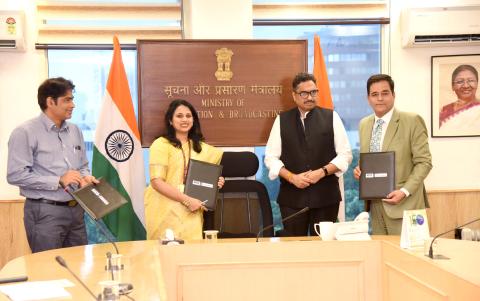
(406, 135)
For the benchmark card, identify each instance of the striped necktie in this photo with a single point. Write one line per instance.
(375, 145)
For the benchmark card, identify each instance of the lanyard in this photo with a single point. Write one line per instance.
(185, 163)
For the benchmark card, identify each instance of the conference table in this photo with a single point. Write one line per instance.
(300, 268)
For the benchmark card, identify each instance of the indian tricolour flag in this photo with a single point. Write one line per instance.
(324, 100)
(117, 153)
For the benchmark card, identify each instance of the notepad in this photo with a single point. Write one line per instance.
(202, 182)
(99, 199)
(38, 290)
(378, 175)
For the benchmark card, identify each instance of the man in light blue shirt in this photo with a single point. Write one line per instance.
(46, 154)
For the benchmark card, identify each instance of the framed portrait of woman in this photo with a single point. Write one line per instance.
(455, 99)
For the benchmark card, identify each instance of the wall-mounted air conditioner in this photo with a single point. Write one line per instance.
(441, 26)
(12, 30)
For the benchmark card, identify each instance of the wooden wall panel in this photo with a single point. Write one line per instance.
(449, 209)
(12, 232)
(442, 212)
(468, 208)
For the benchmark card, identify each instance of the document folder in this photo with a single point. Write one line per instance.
(378, 175)
(99, 199)
(202, 182)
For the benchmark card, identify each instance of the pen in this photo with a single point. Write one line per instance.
(203, 205)
(13, 279)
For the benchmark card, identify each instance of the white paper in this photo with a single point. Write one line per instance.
(363, 216)
(38, 290)
(355, 236)
(354, 230)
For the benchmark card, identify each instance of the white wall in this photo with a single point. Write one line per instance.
(217, 19)
(456, 160)
(20, 75)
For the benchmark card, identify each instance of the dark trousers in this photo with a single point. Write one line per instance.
(302, 224)
(52, 227)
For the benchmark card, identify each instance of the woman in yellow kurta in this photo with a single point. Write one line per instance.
(166, 206)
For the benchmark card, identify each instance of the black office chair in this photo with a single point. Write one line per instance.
(243, 208)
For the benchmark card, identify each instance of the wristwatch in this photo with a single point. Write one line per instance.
(325, 170)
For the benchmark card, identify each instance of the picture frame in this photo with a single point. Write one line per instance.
(454, 113)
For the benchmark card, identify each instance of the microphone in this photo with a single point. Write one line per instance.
(124, 288)
(107, 236)
(283, 220)
(62, 262)
(430, 250)
(110, 268)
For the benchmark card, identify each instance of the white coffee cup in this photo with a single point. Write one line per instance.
(325, 230)
(467, 234)
(211, 235)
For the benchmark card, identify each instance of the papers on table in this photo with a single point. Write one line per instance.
(354, 236)
(354, 230)
(38, 290)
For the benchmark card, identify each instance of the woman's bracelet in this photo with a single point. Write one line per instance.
(186, 203)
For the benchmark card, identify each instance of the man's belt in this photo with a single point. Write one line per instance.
(71, 203)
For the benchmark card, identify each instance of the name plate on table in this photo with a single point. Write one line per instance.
(414, 229)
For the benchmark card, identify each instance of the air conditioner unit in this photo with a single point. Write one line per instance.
(12, 30)
(441, 26)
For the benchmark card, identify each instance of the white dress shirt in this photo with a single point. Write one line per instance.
(273, 149)
(387, 117)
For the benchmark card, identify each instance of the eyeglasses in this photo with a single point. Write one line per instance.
(304, 94)
(470, 82)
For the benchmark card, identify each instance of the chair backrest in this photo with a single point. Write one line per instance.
(239, 164)
(244, 206)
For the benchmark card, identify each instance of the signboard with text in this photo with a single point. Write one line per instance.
(238, 87)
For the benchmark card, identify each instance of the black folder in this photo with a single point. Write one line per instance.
(99, 199)
(378, 175)
(202, 182)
